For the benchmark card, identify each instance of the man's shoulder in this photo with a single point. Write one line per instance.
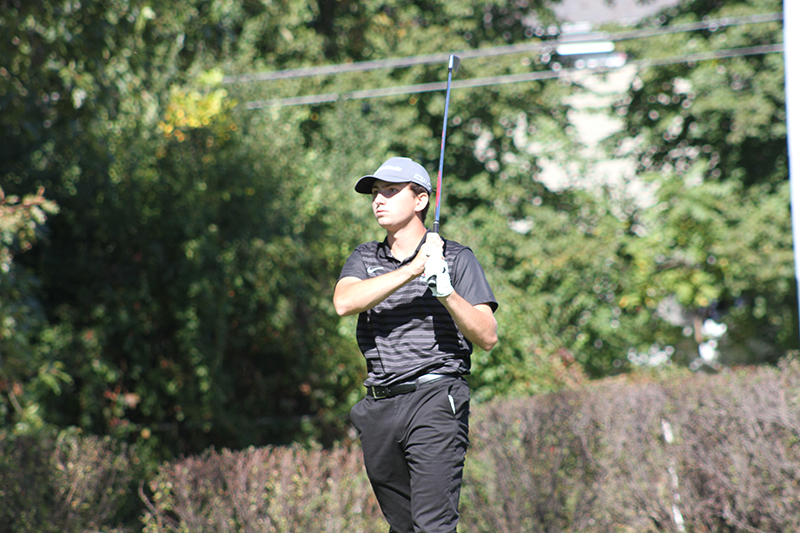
(371, 251)
(362, 261)
(367, 247)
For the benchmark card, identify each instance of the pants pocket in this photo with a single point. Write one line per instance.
(458, 399)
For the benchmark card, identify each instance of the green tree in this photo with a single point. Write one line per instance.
(110, 108)
(711, 135)
(27, 368)
(186, 283)
(187, 279)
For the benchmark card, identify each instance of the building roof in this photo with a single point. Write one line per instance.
(599, 11)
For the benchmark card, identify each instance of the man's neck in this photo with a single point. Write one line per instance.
(404, 242)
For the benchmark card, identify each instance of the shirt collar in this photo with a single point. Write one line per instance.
(385, 251)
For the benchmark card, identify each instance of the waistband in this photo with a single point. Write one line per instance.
(379, 392)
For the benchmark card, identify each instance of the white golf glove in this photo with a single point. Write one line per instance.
(437, 276)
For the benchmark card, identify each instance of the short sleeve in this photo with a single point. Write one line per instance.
(354, 267)
(469, 280)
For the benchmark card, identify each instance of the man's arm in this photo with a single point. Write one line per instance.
(476, 322)
(352, 295)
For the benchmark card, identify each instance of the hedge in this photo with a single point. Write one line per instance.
(645, 453)
(64, 483)
(698, 453)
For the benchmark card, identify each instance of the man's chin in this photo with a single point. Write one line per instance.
(383, 220)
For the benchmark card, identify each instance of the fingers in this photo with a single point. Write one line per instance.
(433, 246)
(421, 259)
(439, 278)
(434, 238)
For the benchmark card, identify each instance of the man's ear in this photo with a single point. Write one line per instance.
(422, 201)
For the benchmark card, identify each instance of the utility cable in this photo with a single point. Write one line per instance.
(711, 25)
(509, 78)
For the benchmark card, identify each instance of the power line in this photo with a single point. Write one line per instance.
(506, 79)
(712, 25)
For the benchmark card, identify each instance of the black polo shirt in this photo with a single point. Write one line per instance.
(411, 333)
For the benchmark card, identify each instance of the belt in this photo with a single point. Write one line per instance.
(379, 392)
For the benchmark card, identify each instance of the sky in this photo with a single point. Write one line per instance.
(598, 11)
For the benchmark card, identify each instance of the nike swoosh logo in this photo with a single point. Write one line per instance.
(372, 270)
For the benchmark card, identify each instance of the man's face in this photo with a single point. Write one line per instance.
(395, 204)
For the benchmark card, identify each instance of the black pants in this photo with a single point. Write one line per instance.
(414, 448)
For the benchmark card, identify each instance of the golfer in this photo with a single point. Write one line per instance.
(422, 302)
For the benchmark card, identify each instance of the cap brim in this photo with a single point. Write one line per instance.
(364, 185)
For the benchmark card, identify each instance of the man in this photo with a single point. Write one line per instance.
(422, 302)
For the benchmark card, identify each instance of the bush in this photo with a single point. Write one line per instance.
(531, 466)
(631, 454)
(272, 489)
(689, 453)
(63, 483)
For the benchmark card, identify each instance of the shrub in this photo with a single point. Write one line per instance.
(271, 489)
(63, 483)
(688, 453)
(532, 465)
(631, 454)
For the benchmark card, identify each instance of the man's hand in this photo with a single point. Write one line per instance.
(437, 276)
(431, 248)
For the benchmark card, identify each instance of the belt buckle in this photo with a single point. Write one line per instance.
(379, 392)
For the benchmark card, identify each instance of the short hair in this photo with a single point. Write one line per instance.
(417, 190)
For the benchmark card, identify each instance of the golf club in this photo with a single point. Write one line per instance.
(451, 68)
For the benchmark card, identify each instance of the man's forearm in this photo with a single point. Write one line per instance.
(352, 295)
(476, 322)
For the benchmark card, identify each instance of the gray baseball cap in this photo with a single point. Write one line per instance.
(396, 170)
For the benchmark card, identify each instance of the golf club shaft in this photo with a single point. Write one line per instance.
(452, 65)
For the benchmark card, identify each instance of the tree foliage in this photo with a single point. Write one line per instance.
(712, 136)
(184, 291)
(25, 369)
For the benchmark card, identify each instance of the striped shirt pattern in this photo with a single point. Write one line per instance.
(411, 333)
